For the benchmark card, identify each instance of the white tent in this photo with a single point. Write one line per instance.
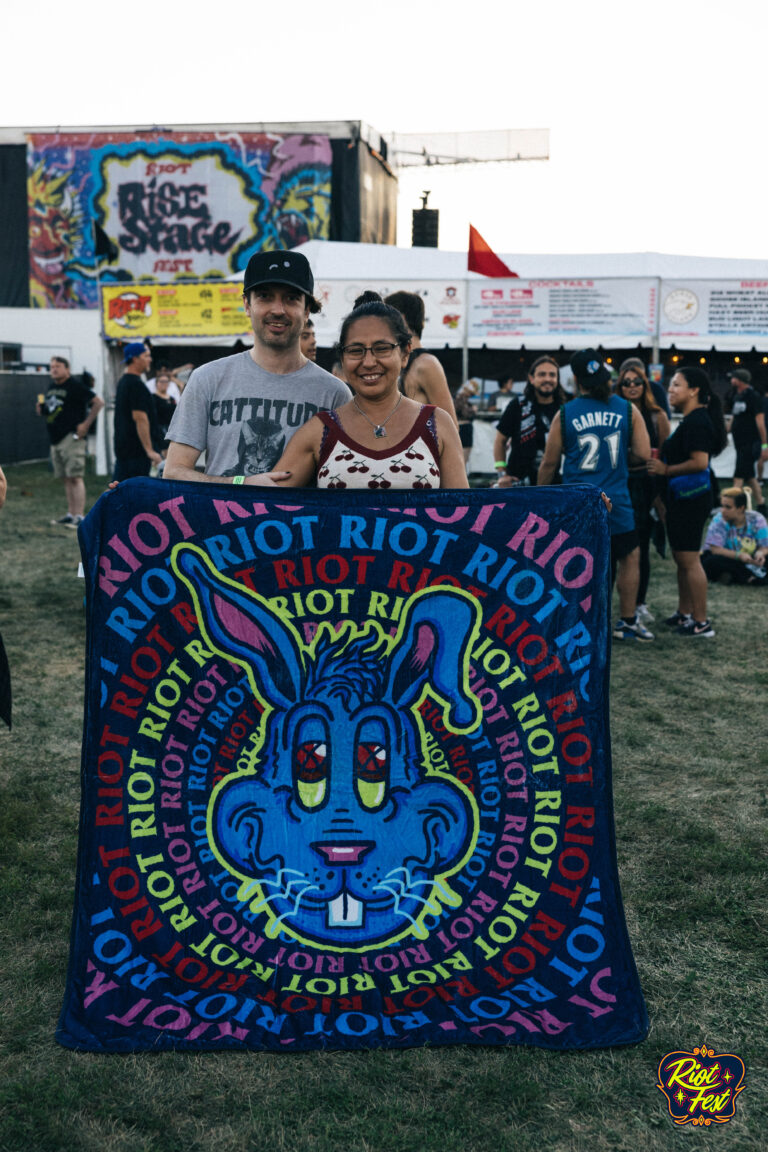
(614, 300)
(335, 261)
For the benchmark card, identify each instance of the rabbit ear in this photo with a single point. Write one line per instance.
(433, 648)
(241, 625)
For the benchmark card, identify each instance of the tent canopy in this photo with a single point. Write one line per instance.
(337, 261)
(611, 300)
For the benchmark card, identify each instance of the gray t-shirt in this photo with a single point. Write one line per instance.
(243, 417)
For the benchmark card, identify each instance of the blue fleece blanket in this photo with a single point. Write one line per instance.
(347, 774)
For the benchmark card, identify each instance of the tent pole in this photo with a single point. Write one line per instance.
(465, 345)
(657, 324)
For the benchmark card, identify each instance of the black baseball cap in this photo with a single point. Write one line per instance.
(742, 374)
(588, 368)
(281, 267)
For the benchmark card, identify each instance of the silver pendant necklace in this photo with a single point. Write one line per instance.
(378, 429)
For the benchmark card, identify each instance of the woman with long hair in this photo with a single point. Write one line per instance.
(684, 464)
(381, 439)
(634, 385)
(465, 414)
(423, 376)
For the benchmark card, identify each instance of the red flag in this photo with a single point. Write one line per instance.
(483, 259)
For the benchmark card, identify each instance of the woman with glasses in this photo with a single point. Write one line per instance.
(381, 439)
(633, 385)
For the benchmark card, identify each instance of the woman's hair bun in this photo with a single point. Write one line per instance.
(368, 297)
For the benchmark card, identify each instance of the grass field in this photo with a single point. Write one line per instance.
(690, 781)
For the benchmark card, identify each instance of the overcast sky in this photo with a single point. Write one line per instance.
(656, 111)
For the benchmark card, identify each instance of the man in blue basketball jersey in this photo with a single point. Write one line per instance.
(596, 433)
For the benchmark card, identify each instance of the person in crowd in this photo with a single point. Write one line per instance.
(242, 410)
(423, 378)
(746, 423)
(135, 432)
(658, 390)
(309, 340)
(736, 544)
(465, 414)
(503, 395)
(634, 385)
(177, 379)
(760, 467)
(381, 440)
(5, 672)
(70, 407)
(521, 433)
(684, 465)
(165, 407)
(596, 432)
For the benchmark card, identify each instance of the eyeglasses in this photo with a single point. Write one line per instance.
(627, 383)
(382, 349)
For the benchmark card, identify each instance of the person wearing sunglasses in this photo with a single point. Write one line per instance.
(633, 385)
(381, 439)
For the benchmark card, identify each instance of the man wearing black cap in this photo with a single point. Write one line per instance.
(242, 410)
(746, 423)
(134, 417)
(595, 433)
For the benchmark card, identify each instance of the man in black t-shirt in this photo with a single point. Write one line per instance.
(747, 426)
(70, 408)
(135, 425)
(525, 423)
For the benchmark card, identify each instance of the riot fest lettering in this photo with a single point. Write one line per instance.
(347, 776)
(165, 215)
(701, 1086)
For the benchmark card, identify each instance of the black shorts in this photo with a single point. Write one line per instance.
(466, 435)
(131, 466)
(746, 455)
(623, 543)
(686, 520)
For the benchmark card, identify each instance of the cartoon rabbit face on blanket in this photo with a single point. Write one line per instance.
(339, 831)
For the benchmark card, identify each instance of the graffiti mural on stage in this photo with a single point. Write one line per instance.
(166, 206)
(347, 774)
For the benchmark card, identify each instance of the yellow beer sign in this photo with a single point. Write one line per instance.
(188, 308)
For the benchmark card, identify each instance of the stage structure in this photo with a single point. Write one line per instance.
(85, 206)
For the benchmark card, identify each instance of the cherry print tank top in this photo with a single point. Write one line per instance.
(412, 463)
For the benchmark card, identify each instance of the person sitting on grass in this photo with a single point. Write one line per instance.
(736, 544)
